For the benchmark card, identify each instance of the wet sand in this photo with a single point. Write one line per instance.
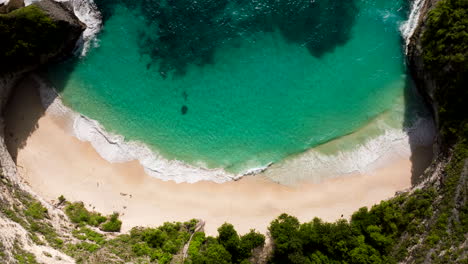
(55, 163)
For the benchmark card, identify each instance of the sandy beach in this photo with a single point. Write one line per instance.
(53, 162)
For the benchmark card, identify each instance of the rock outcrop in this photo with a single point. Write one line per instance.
(424, 80)
(69, 30)
(442, 237)
(15, 239)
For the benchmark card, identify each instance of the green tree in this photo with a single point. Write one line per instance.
(248, 242)
(216, 254)
(229, 239)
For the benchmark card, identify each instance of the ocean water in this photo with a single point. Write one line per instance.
(239, 84)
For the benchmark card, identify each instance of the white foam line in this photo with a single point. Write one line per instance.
(114, 148)
(408, 27)
(88, 13)
(315, 166)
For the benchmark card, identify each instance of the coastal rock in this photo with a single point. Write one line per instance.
(61, 15)
(424, 81)
(10, 75)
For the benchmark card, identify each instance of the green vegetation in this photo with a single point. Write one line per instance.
(36, 210)
(29, 213)
(78, 214)
(113, 224)
(26, 34)
(427, 225)
(445, 53)
(22, 256)
(228, 247)
(368, 238)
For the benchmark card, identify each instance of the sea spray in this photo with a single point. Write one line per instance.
(409, 26)
(376, 152)
(88, 13)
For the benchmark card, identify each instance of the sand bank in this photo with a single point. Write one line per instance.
(55, 163)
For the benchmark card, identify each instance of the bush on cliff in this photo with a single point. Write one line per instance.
(113, 224)
(26, 34)
(445, 52)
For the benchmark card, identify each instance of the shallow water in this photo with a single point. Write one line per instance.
(239, 84)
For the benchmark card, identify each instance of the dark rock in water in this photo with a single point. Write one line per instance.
(184, 109)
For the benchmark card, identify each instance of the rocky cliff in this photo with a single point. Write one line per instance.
(424, 80)
(438, 59)
(435, 229)
(34, 44)
(27, 45)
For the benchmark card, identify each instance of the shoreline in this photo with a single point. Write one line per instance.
(373, 151)
(81, 174)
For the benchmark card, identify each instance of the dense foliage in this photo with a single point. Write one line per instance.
(445, 51)
(427, 225)
(26, 34)
(368, 238)
(228, 247)
(80, 215)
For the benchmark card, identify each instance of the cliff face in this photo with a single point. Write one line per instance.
(34, 45)
(437, 57)
(54, 39)
(27, 45)
(424, 80)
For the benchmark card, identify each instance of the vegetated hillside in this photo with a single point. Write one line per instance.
(426, 225)
(34, 34)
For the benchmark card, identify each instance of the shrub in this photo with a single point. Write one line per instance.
(113, 224)
(36, 210)
(79, 214)
(61, 199)
(26, 33)
(248, 242)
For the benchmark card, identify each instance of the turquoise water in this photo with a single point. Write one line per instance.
(238, 84)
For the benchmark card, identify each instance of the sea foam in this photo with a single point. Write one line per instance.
(368, 156)
(88, 13)
(409, 26)
(114, 148)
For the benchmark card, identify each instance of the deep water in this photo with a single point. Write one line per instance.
(242, 83)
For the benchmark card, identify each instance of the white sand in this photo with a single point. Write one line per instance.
(55, 163)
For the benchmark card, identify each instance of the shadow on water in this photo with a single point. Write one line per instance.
(184, 32)
(421, 135)
(189, 34)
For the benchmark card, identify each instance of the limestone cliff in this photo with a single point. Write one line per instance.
(437, 57)
(32, 47)
(424, 81)
(439, 235)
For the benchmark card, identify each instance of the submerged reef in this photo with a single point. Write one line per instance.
(180, 33)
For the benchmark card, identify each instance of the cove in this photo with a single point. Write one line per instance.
(238, 84)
